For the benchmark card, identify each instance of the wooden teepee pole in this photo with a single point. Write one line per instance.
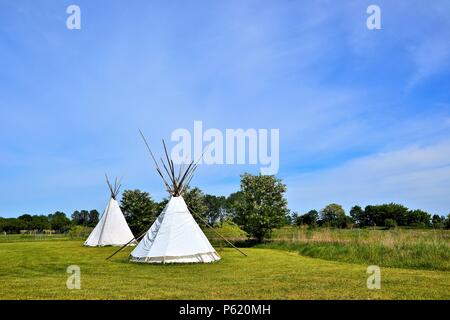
(120, 249)
(217, 232)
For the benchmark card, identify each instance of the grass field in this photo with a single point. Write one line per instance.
(37, 270)
(402, 248)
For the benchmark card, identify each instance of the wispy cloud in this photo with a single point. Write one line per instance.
(431, 57)
(416, 176)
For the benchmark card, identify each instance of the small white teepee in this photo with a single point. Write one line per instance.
(112, 228)
(175, 236)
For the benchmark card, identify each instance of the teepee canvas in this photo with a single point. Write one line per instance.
(112, 228)
(175, 236)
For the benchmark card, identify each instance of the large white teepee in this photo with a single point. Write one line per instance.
(175, 236)
(112, 229)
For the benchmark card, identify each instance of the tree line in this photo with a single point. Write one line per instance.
(385, 215)
(55, 222)
(258, 207)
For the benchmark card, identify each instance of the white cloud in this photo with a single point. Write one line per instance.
(417, 176)
(430, 57)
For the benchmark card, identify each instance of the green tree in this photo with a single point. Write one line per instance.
(40, 223)
(376, 215)
(76, 218)
(232, 201)
(288, 218)
(418, 218)
(195, 200)
(367, 218)
(438, 222)
(12, 225)
(261, 206)
(333, 215)
(139, 210)
(310, 219)
(59, 222)
(26, 220)
(390, 223)
(93, 218)
(80, 217)
(295, 219)
(216, 208)
(85, 217)
(358, 215)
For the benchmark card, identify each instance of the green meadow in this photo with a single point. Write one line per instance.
(298, 264)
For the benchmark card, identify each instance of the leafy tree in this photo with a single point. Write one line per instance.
(289, 218)
(216, 208)
(333, 215)
(418, 218)
(93, 218)
(76, 218)
(367, 216)
(358, 215)
(310, 218)
(438, 222)
(294, 218)
(376, 215)
(390, 223)
(26, 220)
(447, 222)
(139, 209)
(11, 225)
(40, 223)
(371, 214)
(232, 201)
(80, 217)
(261, 206)
(398, 212)
(85, 217)
(346, 222)
(59, 222)
(195, 200)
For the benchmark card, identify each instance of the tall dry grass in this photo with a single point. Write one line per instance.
(404, 248)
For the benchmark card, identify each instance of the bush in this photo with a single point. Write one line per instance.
(80, 232)
(390, 223)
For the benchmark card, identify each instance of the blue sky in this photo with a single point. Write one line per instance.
(364, 116)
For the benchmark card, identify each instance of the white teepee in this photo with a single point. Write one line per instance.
(112, 229)
(175, 236)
